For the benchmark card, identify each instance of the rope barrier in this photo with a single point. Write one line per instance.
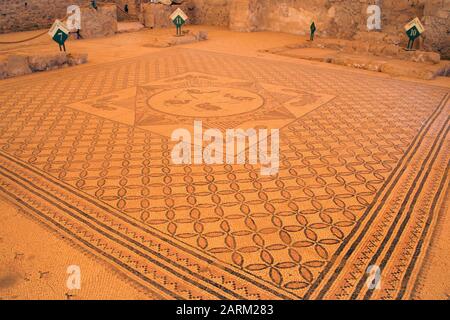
(64, 19)
(24, 40)
(33, 37)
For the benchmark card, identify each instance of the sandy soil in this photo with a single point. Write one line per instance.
(32, 266)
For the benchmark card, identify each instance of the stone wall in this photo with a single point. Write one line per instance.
(23, 15)
(345, 18)
(211, 12)
(206, 12)
(245, 15)
(334, 18)
(99, 23)
(20, 15)
(437, 21)
(156, 15)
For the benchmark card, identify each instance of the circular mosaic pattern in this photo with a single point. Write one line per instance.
(205, 102)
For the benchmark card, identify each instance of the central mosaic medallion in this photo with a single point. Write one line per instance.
(201, 102)
(222, 103)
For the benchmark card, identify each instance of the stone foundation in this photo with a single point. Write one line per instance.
(19, 65)
(170, 41)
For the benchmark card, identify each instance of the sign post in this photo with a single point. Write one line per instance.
(59, 33)
(313, 30)
(413, 30)
(178, 18)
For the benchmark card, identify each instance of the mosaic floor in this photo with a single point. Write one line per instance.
(362, 182)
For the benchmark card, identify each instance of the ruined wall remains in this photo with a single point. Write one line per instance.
(206, 12)
(337, 18)
(156, 15)
(19, 15)
(436, 17)
(211, 12)
(99, 23)
(345, 18)
(334, 18)
(23, 15)
(245, 15)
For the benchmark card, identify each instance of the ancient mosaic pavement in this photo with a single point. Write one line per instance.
(364, 165)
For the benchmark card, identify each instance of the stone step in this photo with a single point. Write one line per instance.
(393, 67)
(129, 27)
(170, 40)
(22, 64)
(372, 48)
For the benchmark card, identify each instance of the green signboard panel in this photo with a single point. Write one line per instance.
(178, 18)
(179, 21)
(60, 37)
(413, 33)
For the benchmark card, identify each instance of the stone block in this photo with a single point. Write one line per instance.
(427, 57)
(156, 15)
(420, 56)
(243, 15)
(210, 12)
(42, 62)
(359, 62)
(405, 69)
(175, 41)
(391, 50)
(201, 35)
(98, 23)
(436, 37)
(17, 65)
(3, 68)
(74, 59)
(123, 27)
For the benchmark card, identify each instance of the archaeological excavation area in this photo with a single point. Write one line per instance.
(224, 150)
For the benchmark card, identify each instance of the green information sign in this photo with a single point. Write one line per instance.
(413, 30)
(60, 37)
(179, 19)
(413, 33)
(59, 33)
